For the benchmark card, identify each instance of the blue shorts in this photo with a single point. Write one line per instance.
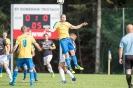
(27, 61)
(8, 57)
(26, 65)
(66, 45)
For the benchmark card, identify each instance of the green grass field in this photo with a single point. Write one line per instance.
(83, 81)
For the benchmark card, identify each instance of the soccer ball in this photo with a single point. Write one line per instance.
(60, 1)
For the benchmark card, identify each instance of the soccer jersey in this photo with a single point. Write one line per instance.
(47, 50)
(8, 41)
(127, 43)
(3, 43)
(63, 29)
(25, 42)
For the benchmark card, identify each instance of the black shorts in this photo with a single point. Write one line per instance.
(128, 61)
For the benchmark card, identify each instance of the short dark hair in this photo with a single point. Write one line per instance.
(45, 34)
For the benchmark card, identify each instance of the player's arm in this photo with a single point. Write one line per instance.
(51, 30)
(14, 48)
(33, 53)
(37, 46)
(6, 44)
(120, 52)
(53, 47)
(79, 26)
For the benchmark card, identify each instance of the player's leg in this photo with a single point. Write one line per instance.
(69, 73)
(61, 71)
(24, 71)
(64, 46)
(35, 74)
(8, 59)
(128, 66)
(1, 68)
(15, 73)
(30, 66)
(49, 67)
(4, 60)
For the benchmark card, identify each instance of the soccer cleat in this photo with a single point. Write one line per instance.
(63, 82)
(52, 75)
(73, 79)
(0, 74)
(23, 80)
(73, 72)
(36, 80)
(78, 67)
(131, 85)
(12, 84)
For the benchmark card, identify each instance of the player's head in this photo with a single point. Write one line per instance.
(63, 17)
(73, 36)
(46, 36)
(4, 34)
(23, 29)
(129, 28)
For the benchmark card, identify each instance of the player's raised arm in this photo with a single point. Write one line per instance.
(79, 26)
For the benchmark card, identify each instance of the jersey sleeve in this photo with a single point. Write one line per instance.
(121, 43)
(69, 25)
(17, 41)
(9, 42)
(33, 40)
(52, 44)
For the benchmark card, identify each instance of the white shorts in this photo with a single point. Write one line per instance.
(47, 58)
(62, 59)
(3, 59)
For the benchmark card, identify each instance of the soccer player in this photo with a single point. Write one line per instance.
(24, 42)
(7, 48)
(47, 47)
(126, 45)
(63, 31)
(3, 56)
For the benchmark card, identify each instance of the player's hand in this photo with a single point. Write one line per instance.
(120, 61)
(85, 23)
(7, 53)
(51, 47)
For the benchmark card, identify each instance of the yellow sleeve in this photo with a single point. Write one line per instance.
(18, 41)
(33, 40)
(69, 25)
(9, 42)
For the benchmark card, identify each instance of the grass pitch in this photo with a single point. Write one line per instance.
(83, 81)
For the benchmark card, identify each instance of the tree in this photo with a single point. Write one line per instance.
(97, 58)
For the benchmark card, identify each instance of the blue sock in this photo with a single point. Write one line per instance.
(25, 72)
(35, 75)
(31, 77)
(14, 76)
(1, 69)
(68, 63)
(74, 59)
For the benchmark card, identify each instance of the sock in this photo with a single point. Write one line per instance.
(50, 68)
(61, 71)
(31, 77)
(14, 76)
(74, 59)
(9, 74)
(70, 74)
(68, 63)
(25, 72)
(35, 75)
(1, 68)
(128, 77)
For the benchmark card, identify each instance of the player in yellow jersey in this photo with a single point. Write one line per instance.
(7, 48)
(63, 31)
(24, 42)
